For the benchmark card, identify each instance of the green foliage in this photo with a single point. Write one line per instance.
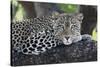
(94, 34)
(18, 10)
(20, 13)
(14, 2)
(68, 8)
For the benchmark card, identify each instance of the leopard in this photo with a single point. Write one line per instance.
(37, 35)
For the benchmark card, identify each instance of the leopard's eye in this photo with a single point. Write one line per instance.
(74, 27)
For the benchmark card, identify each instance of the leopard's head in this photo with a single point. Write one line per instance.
(67, 28)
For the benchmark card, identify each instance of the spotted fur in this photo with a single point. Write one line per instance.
(35, 36)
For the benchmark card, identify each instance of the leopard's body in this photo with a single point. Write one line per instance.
(35, 36)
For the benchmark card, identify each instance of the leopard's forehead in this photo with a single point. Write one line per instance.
(69, 19)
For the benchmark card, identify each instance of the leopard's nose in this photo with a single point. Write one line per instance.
(67, 37)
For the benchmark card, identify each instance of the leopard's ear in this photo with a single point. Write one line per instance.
(79, 16)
